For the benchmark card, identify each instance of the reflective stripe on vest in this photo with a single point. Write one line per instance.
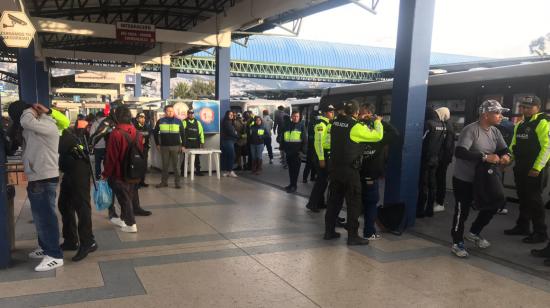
(293, 136)
(261, 132)
(169, 128)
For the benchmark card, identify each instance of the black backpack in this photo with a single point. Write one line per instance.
(134, 164)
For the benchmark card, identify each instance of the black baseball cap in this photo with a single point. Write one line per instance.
(530, 100)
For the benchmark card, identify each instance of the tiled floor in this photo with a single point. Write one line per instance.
(241, 243)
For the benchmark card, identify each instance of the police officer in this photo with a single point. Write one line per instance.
(310, 167)
(74, 196)
(145, 129)
(321, 145)
(294, 143)
(432, 142)
(194, 138)
(531, 149)
(348, 137)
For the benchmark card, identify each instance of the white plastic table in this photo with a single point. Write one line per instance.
(190, 160)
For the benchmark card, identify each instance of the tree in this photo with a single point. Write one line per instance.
(540, 45)
(182, 90)
(197, 89)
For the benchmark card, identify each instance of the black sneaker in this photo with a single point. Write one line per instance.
(68, 246)
(535, 238)
(541, 253)
(84, 251)
(331, 236)
(314, 210)
(517, 231)
(357, 241)
(142, 212)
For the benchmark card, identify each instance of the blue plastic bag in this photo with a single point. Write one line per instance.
(103, 195)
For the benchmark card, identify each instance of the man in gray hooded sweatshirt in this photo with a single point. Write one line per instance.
(41, 131)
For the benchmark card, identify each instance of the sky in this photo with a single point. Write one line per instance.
(487, 28)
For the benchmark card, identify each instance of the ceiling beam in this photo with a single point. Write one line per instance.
(109, 31)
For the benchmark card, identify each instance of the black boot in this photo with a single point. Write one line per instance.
(517, 230)
(541, 253)
(84, 251)
(357, 241)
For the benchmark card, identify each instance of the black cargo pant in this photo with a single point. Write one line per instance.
(345, 184)
(317, 196)
(128, 198)
(426, 193)
(311, 158)
(441, 183)
(73, 203)
(294, 162)
(464, 197)
(531, 206)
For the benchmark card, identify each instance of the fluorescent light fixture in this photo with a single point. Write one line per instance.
(251, 24)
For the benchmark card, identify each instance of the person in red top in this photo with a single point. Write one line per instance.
(117, 146)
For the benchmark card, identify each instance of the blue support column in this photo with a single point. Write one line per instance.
(4, 234)
(26, 70)
(137, 86)
(223, 84)
(42, 84)
(164, 81)
(412, 60)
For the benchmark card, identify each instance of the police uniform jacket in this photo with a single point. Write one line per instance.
(169, 132)
(194, 133)
(348, 137)
(530, 144)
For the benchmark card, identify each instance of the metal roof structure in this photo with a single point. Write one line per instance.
(286, 50)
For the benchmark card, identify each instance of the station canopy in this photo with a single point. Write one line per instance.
(92, 31)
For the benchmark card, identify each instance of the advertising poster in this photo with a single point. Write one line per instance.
(208, 112)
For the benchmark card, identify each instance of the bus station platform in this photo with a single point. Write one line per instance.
(244, 242)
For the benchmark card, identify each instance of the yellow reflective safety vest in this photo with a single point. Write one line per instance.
(321, 129)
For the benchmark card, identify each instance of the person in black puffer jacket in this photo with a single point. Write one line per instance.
(432, 141)
(228, 138)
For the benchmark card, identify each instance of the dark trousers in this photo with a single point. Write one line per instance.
(531, 206)
(344, 184)
(370, 197)
(464, 196)
(293, 160)
(317, 196)
(73, 203)
(128, 198)
(146, 154)
(99, 156)
(267, 142)
(311, 158)
(441, 183)
(426, 191)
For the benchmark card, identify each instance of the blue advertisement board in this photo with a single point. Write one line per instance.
(208, 112)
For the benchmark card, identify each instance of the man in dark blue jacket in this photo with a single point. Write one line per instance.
(169, 134)
(294, 143)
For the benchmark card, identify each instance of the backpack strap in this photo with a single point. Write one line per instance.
(127, 137)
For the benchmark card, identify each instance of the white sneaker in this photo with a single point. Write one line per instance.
(225, 173)
(38, 253)
(129, 229)
(502, 211)
(477, 240)
(232, 174)
(459, 250)
(439, 208)
(48, 264)
(117, 222)
(374, 237)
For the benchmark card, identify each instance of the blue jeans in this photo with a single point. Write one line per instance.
(370, 197)
(228, 155)
(256, 151)
(42, 198)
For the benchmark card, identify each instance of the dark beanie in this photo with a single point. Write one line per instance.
(15, 110)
